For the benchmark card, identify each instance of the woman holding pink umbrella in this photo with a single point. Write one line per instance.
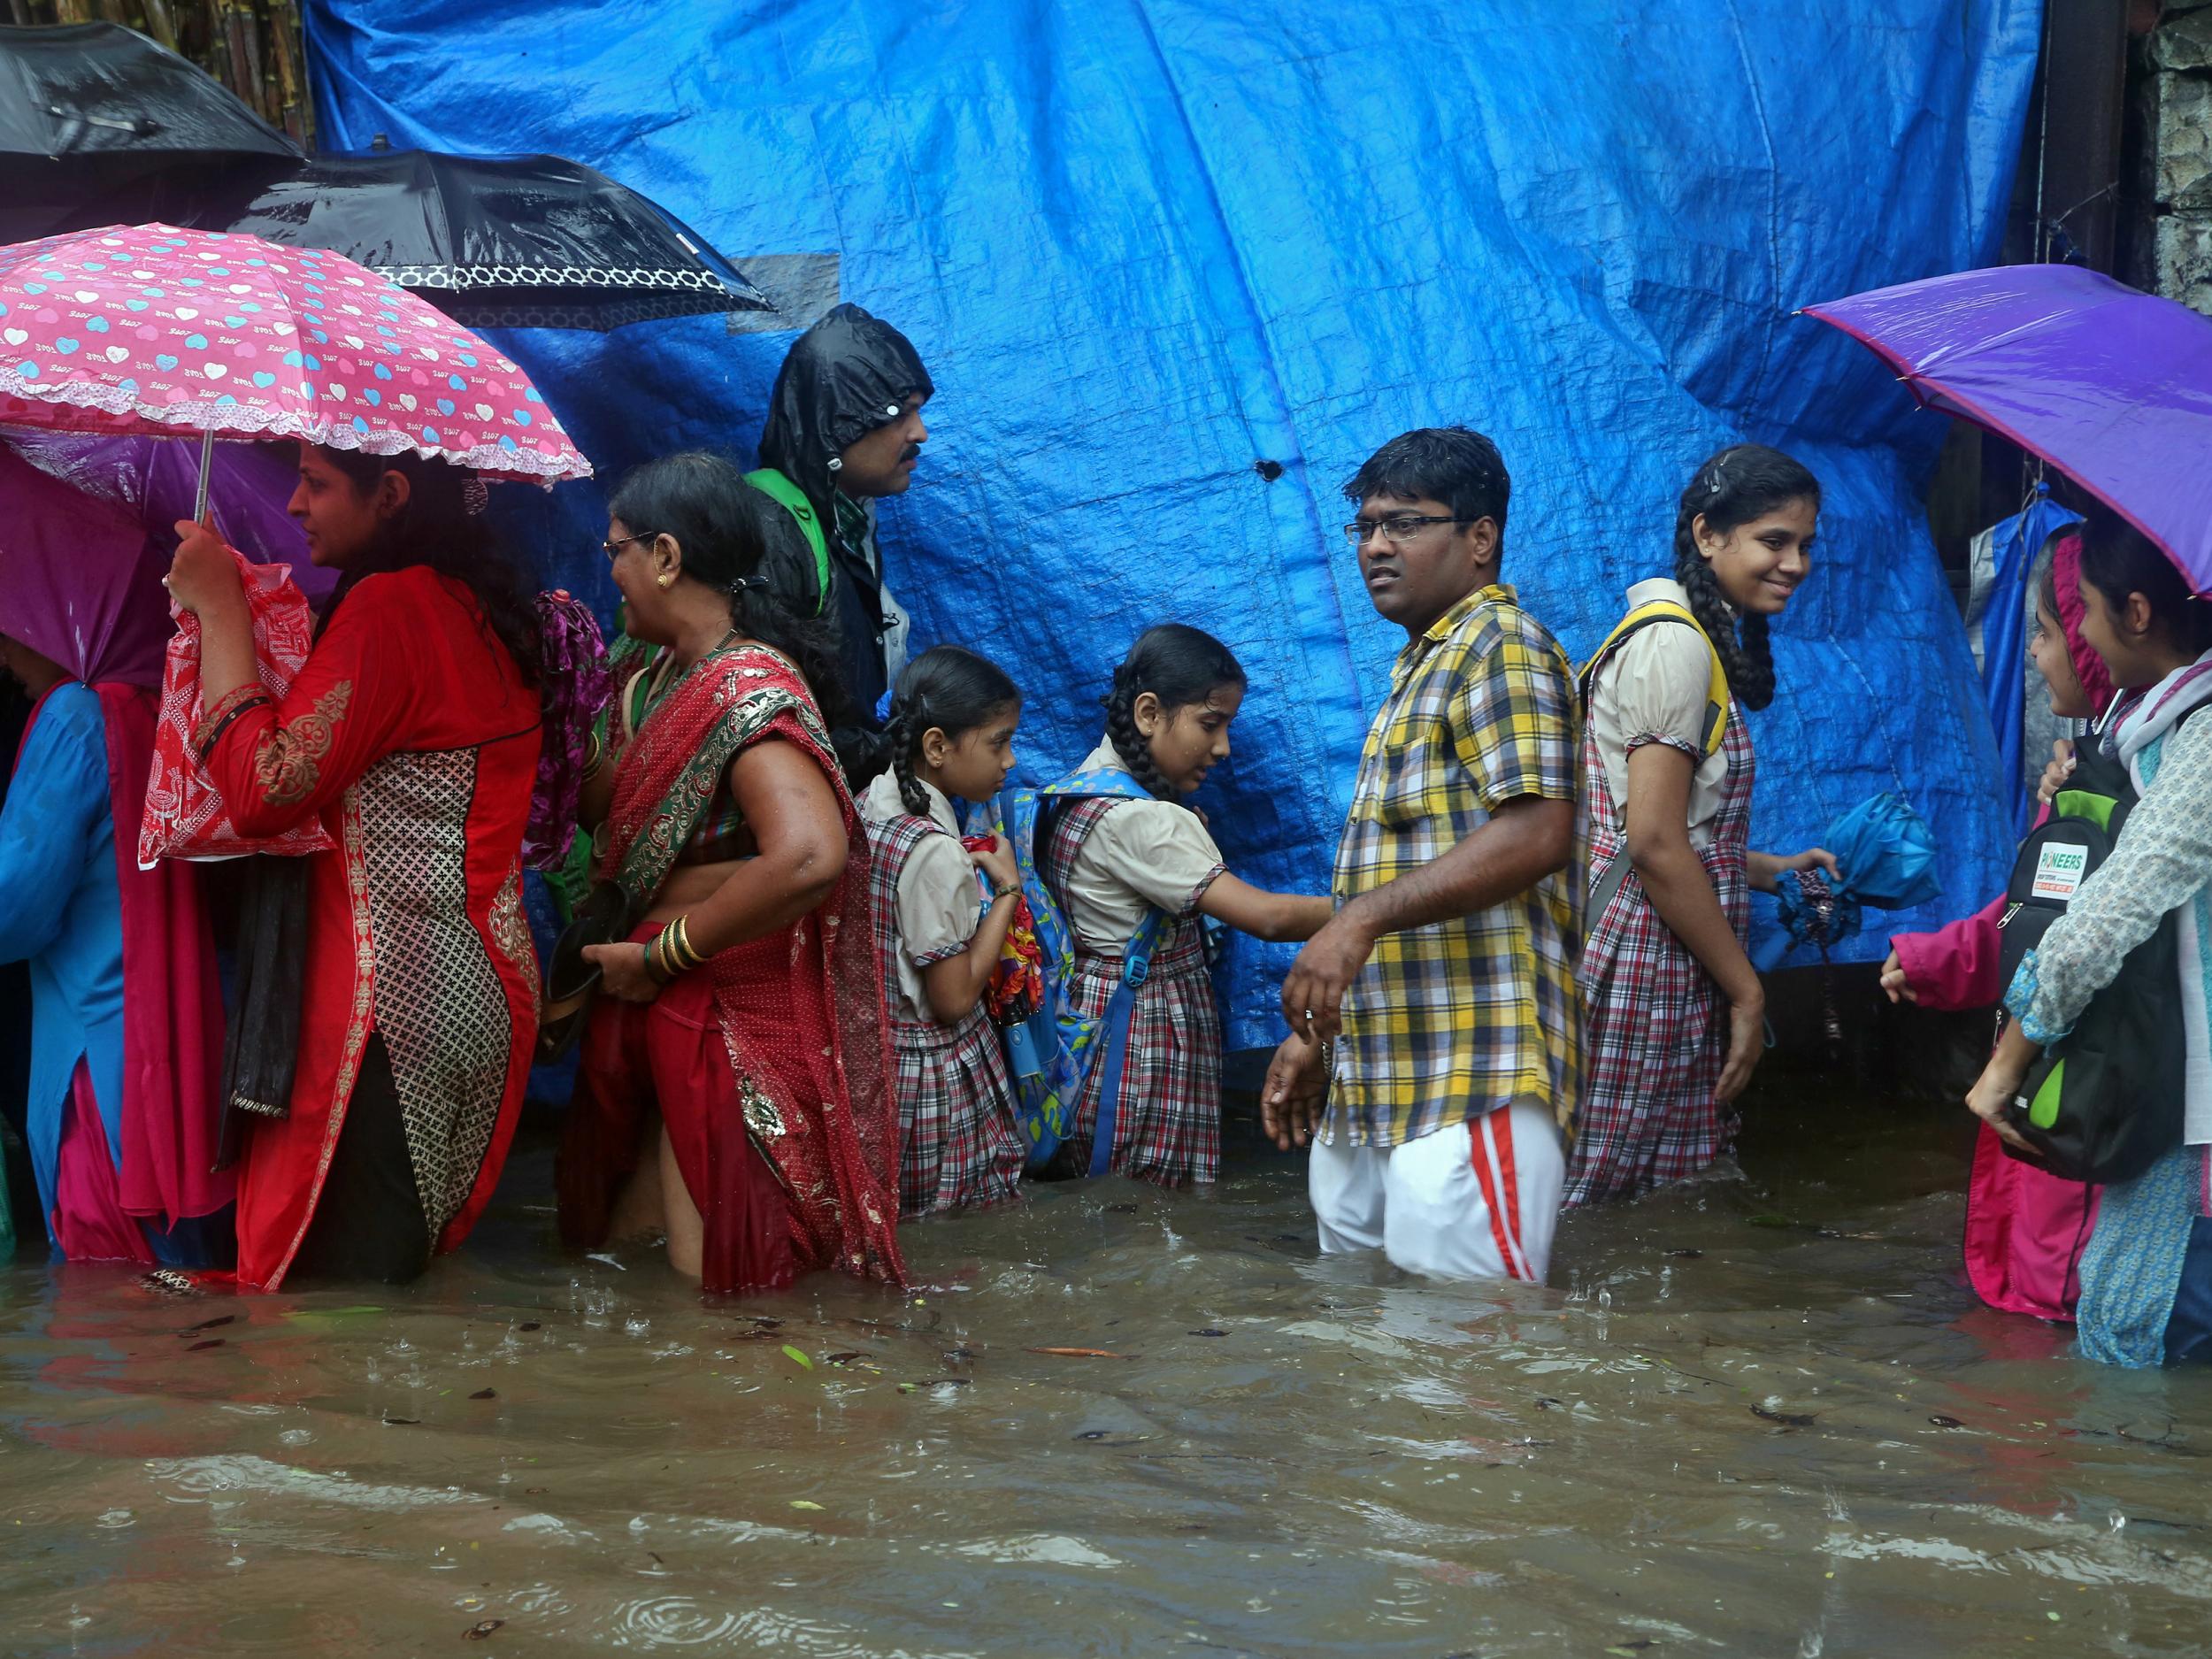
(412, 731)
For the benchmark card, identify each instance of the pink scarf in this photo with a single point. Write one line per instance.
(2096, 679)
(172, 1006)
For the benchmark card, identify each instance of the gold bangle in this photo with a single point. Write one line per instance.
(595, 754)
(669, 952)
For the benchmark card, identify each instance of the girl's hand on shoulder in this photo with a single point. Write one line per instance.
(998, 864)
(2056, 774)
(202, 574)
(622, 973)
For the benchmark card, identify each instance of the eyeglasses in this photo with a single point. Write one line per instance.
(1397, 529)
(613, 550)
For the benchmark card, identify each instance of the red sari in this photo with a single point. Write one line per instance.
(412, 734)
(783, 1128)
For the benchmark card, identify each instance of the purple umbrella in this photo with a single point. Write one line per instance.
(2112, 386)
(79, 582)
(159, 481)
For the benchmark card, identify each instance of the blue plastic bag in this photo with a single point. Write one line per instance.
(1885, 857)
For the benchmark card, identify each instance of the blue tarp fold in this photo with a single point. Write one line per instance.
(1146, 245)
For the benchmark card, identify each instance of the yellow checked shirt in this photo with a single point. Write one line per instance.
(1453, 1020)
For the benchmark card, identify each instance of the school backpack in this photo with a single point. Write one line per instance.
(1050, 1054)
(2105, 1102)
(1715, 732)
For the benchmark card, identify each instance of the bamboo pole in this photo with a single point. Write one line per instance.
(232, 22)
(161, 23)
(256, 48)
(287, 41)
(257, 75)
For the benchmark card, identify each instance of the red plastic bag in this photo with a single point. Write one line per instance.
(1016, 988)
(185, 817)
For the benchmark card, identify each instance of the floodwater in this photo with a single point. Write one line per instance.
(1755, 1416)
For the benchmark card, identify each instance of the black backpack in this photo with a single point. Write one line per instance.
(2105, 1102)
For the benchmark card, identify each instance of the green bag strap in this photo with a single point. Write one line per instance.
(1643, 617)
(780, 489)
(2085, 806)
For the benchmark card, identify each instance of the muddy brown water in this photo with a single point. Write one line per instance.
(1758, 1417)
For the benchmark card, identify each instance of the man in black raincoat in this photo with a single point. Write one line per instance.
(844, 427)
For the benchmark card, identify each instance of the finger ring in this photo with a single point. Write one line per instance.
(1310, 1015)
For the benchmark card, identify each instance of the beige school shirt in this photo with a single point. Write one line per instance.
(1655, 690)
(939, 903)
(1140, 854)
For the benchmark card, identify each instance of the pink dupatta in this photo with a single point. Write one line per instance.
(172, 1006)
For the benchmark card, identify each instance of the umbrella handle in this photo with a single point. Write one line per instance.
(207, 465)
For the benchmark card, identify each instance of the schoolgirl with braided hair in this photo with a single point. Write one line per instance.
(1675, 1014)
(1129, 862)
(951, 737)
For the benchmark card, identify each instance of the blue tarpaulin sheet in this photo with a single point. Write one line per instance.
(1147, 246)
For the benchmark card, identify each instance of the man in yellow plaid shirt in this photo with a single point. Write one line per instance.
(1439, 1005)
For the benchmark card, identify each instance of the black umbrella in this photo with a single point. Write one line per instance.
(506, 241)
(99, 126)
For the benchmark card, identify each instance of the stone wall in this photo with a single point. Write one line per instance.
(2173, 102)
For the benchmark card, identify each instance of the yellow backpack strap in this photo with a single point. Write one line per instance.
(1643, 617)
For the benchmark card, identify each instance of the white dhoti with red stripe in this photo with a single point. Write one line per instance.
(1476, 1199)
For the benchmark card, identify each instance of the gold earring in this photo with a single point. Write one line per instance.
(666, 581)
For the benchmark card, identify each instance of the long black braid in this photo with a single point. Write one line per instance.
(1741, 483)
(903, 734)
(1129, 743)
(1179, 665)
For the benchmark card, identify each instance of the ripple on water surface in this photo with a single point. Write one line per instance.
(1755, 1416)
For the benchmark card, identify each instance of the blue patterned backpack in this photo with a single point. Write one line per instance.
(1051, 1054)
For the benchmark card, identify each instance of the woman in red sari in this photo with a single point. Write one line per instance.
(413, 732)
(732, 1091)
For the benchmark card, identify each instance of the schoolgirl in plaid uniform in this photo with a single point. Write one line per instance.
(1674, 1015)
(951, 734)
(1111, 860)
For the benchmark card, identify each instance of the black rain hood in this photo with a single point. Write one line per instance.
(845, 376)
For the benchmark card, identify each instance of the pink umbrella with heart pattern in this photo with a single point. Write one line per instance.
(150, 329)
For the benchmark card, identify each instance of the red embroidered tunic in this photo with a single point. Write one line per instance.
(413, 736)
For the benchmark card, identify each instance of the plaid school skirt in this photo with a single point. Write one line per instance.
(1655, 1023)
(958, 1146)
(1168, 1129)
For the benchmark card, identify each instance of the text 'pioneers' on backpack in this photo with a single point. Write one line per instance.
(2105, 1102)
